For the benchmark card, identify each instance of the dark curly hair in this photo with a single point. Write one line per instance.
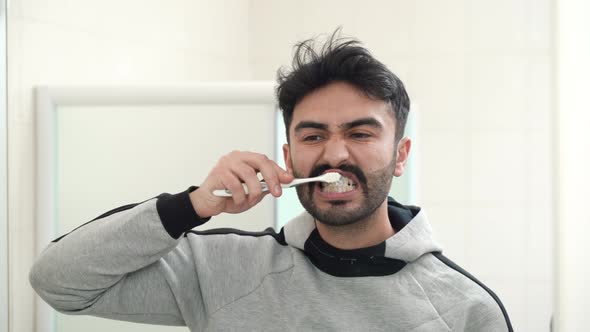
(340, 59)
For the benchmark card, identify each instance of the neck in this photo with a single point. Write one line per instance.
(367, 232)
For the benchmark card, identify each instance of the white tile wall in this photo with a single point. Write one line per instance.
(480, 72)
(439, 27)
(540, 25)
(539, 175)
(443, 167)
(538, 93)
(438, 83)
(539, 245)
(497, 27)
(497, 236)
(496, 91)
(498, 166)
(450, 226)
(385, 29)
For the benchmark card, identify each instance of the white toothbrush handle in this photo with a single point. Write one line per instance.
(227, 192)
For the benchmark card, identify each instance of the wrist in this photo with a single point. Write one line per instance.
(199, 203)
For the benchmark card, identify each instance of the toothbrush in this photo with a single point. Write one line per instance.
(329, 177)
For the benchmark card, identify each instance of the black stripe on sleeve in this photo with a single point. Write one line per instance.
(104, 215)
(457, 268)
(279, 237)
(175, 211)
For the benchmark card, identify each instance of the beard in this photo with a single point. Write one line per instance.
(375, 189)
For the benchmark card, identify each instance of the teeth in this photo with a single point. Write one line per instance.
(343, 185)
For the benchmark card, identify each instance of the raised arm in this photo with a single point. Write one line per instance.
(130, 264)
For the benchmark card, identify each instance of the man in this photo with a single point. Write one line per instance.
(355, 261)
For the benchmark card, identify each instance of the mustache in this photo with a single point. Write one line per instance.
(320, 169)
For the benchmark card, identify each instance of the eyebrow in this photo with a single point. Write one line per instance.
(348, 125)
(372, 122)
(310, 124)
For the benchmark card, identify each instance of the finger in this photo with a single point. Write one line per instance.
(233, 184)
(282, 177)
(271, 177)
(261, 197)
(271, 172)
(248, 176)
(286, 176)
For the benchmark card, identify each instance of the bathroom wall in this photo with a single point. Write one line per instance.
(478, 72)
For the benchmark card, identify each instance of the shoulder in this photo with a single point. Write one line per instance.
(228, 247)
(459, 297)
(231, 240)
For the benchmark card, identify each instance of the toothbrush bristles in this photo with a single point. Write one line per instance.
(332, 177)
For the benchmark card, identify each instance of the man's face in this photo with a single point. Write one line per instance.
(338, 128)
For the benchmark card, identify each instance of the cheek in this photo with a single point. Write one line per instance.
(373, 159)
(301, 160)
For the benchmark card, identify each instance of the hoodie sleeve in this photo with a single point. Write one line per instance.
(127, 264)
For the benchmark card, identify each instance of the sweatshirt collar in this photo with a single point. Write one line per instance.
(412, 239)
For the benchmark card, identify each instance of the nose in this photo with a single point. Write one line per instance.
(335, 152)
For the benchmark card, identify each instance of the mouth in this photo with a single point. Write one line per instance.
(344, 184)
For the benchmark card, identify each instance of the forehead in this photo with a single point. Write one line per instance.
(340, 102)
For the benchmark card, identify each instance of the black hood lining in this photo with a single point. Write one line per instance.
(363, 262)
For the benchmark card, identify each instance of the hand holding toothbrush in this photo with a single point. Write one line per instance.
(237, 172)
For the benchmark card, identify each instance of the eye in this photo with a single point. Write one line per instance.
(360, 135)
(312, 138)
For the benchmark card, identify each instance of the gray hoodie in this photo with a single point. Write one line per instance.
(142, 263)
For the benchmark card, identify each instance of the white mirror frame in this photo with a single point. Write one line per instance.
(50, 98)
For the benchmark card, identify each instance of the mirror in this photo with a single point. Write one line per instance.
(92, 140)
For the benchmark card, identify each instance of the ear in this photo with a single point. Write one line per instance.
(287, 158)
(403, 151)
